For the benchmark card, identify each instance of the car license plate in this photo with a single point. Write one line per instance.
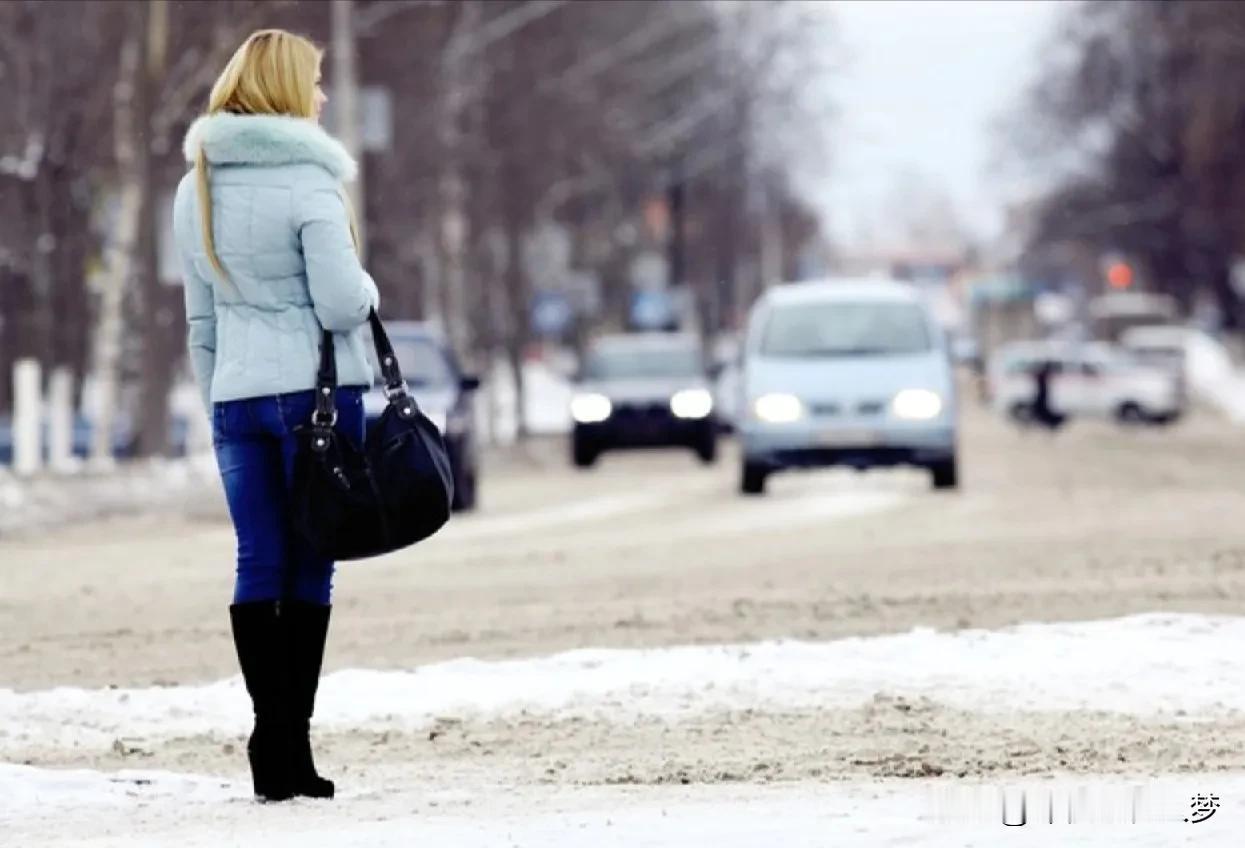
(849, 437)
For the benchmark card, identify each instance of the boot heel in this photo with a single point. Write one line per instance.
(257, 635)
(268, 754)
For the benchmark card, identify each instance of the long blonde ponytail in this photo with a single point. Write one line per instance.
(204, 192)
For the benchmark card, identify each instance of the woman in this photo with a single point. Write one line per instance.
(269, 255)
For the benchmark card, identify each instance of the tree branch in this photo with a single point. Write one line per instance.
(505, 25)
(177, 103)
(367, 21)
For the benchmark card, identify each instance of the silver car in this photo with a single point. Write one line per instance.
(852, 373)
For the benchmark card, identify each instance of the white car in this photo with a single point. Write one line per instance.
(1199, 357)
(847, 372)
(1091, 380)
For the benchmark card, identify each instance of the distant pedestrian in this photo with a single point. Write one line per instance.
(1043, 412)
(268, 248)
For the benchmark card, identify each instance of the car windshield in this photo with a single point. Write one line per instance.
(422, 362)
(846, 329)
(641, 363)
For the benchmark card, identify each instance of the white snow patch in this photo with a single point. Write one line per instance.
(29, 788)
(1142, 664)
(1211, 375)
(93, 810)
(131, 487)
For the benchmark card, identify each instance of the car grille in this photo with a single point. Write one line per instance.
(641, 412)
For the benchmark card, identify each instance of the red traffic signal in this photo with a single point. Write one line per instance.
(1119, 275)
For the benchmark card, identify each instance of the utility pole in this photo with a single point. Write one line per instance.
(346, 104)
(459, 89)
(677, 199)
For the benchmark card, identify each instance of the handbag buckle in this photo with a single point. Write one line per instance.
(398, 389)
(326, 421)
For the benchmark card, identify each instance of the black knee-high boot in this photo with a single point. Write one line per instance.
(306, 627)
(259, 636)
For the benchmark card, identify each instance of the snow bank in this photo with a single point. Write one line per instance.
(127, 488)
(1144, 664)
(1212, 377)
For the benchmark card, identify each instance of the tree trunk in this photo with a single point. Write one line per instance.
(160, 355)
(516, 288)
(109, 330)
(18, 306)
(70, 301)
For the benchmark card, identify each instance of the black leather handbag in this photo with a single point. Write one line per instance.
(353, 501)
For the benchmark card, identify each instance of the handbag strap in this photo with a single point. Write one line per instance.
(325, 415)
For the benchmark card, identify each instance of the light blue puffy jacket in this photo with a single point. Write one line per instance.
(282, 233)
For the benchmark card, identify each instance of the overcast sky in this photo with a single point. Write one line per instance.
(920, 86)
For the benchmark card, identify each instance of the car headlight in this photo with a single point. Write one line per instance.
(591, 408)
(916, 405)
(691, 403)
(778, 408)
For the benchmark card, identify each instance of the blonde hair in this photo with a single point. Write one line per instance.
(273, 73)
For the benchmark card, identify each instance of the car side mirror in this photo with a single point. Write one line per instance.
(469, 383)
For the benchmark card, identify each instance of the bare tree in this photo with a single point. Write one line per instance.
(509, 116)
(1139, 123)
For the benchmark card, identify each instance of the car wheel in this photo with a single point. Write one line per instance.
(945, 474)
(584, 453)
(1130, 413)
(752, 478)
(707, 448)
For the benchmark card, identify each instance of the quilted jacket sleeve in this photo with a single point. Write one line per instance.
(200, 306)
(342, 292)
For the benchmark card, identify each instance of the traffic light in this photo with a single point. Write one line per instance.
(1119, 275)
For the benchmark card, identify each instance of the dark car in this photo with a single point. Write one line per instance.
(444, 393)
(643, 390)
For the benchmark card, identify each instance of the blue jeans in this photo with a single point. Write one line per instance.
(255, 447)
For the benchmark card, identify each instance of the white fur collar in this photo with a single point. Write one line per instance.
(267, 140)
